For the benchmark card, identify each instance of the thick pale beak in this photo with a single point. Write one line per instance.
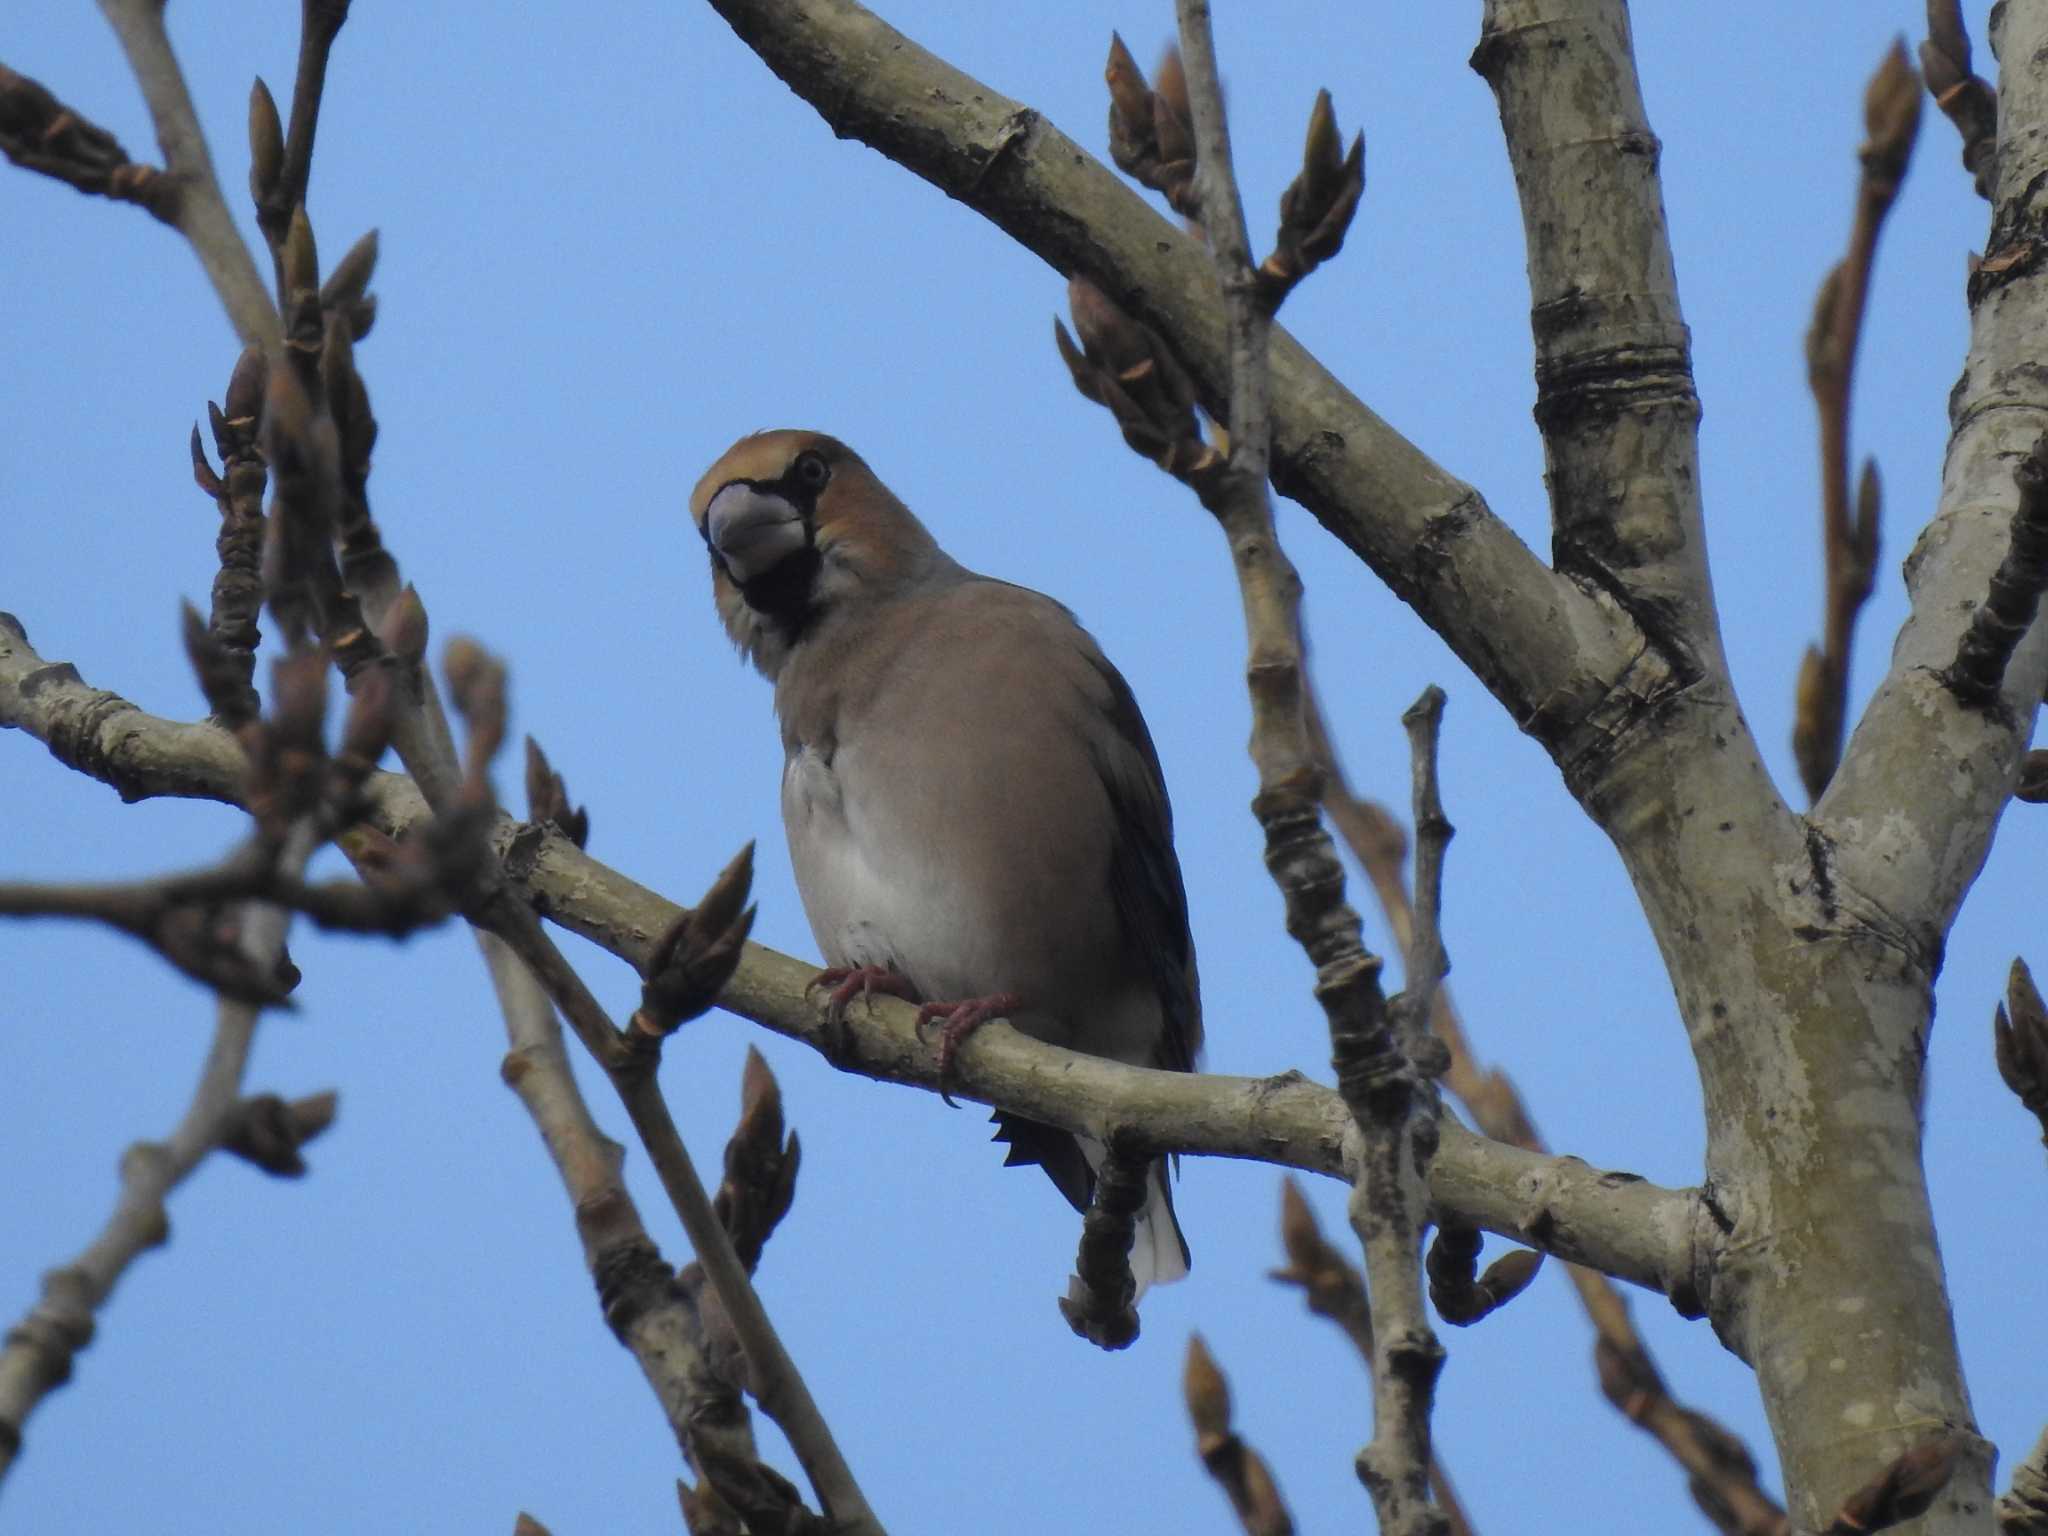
(752, 531)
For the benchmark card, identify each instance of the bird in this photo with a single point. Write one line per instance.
(975, 811)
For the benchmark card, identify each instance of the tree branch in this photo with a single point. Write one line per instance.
(1392, 1106)
(629, 1059)
(1615, 1222)
(1723, 1474)
(37, 1354)
(39, 133)
(1614, 390)
(1891, 114)
(1963, 97)
(202, 213)
(1239, 1471)
(1553, 654)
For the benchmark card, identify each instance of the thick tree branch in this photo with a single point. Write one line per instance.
(1614, 391)
(1615, 1222)
(1935, 770)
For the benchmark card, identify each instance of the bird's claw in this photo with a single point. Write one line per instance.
(843, 983)
(962, 1019)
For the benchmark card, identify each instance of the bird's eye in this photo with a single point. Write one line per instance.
(811, 469)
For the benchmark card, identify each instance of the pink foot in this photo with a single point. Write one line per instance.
(962, 1019)
(846, 982)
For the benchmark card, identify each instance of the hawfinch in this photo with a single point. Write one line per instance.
(972, 800)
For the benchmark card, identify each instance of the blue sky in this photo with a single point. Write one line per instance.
(612, 242)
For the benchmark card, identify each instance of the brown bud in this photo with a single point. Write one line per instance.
(2020, 1042)
(476, 678)
(301, 255)
(1947, 36)
(266, 143)
(547, 797)
(298, 700)
(1509, 1275)
(366, 728)
(1891, 117)
(246, 386)
(1816, 722)
(1172, 116)
(1206, 1392)
(2033, 780)
(404, 629)
(1299, 1233)
(694, 960)
(202, 470)
(1903, 1490)
(760, 1165)
(348, 283)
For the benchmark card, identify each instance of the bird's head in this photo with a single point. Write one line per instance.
(797, 524)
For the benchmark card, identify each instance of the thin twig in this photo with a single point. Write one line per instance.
(140, 906)
(203, 216)
(237, 492)
(1334, 1290)
(629, 1058)
(1891, 114)
(1426, 963)
(647, 1310)
(1239, 1471)
(320, 22)
(772, 1374)
(1395, 1111)
(37, 1355)
(1965, 98)
(1722, 1473)
(40, 133)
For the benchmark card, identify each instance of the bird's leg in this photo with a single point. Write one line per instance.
(846, 982)
(962, 1019)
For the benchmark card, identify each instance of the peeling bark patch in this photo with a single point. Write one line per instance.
(1820, 858)
(1712, 1206)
